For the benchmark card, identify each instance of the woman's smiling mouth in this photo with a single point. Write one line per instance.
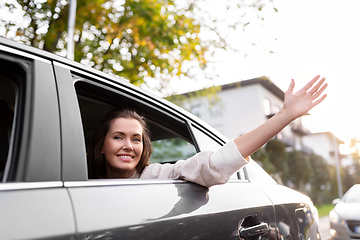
(125, 157)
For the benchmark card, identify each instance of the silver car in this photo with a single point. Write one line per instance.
(345, 217)
(49, 108)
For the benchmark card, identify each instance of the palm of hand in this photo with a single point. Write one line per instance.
(305, 99)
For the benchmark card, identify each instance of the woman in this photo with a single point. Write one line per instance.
(122, 148)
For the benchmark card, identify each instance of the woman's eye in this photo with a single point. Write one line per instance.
(136, 140)
(117, 138)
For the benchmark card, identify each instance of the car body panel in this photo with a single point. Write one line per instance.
(345, 217)
(140, 210)
(45, 141)
(73, 155)
(298, 219)
(36, 211)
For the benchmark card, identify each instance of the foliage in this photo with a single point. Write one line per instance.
(296, 160)
(262, 156)
(308, 173)
(146, 42)
(320, 177)
(324, 209)
(276, 153)
(133, 39)
(354, 171)
(171, 150)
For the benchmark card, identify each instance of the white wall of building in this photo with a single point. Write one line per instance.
(238, 110)
(325, 145)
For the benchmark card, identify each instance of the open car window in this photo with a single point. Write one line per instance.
(170, 135)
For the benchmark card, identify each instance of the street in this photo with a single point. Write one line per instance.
(324, 227)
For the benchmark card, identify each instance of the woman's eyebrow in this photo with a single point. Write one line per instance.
(122, 133)
(117, 132)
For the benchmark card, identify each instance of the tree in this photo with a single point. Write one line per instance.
(354, 170)
(319, 179)
(276, 153)
(133, 39)
(263, 157)
(299, 169)
(137, 40)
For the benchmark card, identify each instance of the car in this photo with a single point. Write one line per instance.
(345, 217)
(50, 107)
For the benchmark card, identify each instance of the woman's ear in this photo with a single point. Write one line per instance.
(102, 150)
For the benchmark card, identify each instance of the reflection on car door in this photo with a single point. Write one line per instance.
(168, 209)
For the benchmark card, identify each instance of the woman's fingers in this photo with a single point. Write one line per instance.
(292, 85)
(319, 100)
(321, 90)
(310, 84)
(317, 86)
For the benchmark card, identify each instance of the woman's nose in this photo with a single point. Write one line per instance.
(127, 145)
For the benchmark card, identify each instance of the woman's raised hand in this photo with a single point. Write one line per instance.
(295, 105)
(299, 103)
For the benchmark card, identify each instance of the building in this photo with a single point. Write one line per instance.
(324, 144)
(242, 106)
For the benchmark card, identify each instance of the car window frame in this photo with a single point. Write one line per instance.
(110, 82)
(119, 88)
(28, 148)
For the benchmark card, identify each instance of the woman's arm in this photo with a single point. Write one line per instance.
(295, 105)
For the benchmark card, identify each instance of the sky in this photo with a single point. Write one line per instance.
(313, 37)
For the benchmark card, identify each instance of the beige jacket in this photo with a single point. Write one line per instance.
(205, 168)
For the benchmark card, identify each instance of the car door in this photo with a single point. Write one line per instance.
(153, 208)
(296, 216)
(33, 202)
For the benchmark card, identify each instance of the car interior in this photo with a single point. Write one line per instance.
(7, 106)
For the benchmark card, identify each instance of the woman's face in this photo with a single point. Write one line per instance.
(123, 147)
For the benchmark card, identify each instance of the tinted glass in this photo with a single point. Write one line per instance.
(7, 106)
(171, 149)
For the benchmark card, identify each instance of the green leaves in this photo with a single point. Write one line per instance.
(141, 40)
(130, 39)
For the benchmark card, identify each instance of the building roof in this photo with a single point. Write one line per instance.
(265, 82)
(330, 135)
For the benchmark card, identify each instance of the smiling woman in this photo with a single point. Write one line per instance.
(123, 147)
(120, 146)
(121, 150)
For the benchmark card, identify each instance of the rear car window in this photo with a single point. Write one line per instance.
(9, 90)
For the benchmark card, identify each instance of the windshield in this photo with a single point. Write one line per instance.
(353, 195)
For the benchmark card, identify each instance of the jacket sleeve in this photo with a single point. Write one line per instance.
(205, 168)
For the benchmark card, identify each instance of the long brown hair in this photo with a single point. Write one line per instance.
(96, 160)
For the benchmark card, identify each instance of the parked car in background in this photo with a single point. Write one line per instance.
(50, 107)
(345, 217)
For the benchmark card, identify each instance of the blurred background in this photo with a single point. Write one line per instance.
(206, 55)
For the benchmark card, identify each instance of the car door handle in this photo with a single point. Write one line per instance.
(258, 229)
